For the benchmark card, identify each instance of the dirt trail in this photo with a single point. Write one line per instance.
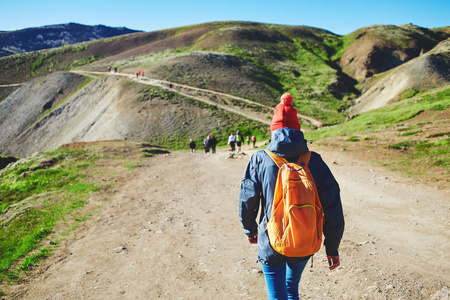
(13, 84)
(172, 232)
(178, 88)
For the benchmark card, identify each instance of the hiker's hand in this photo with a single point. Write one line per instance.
(253, 239)
(333, 262)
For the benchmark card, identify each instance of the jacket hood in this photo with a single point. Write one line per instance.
(287, 142)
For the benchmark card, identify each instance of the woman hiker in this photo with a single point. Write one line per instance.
(282, 274)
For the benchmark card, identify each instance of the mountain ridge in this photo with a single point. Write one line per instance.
(51, 36)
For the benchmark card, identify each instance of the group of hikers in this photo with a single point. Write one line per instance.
(234, 140)
(110, 69)
(209, 143)
(139, 73)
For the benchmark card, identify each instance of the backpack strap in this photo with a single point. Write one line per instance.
(304, 158)
(278, 160)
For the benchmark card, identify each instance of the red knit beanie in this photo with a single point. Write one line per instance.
(285, 114)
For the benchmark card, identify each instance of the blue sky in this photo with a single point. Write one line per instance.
(338, 16)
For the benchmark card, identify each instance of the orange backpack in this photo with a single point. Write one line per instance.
(296, 222)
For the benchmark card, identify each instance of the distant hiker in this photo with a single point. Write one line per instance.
(239, 140)
(232, 141)
(49, 71)
(248, 141)
(115, 70)
(212, 144)
(192, 145)
(282, 272)
(142, 73)
(206, 144)
(109, 69)
(137, 74)
(254, 140)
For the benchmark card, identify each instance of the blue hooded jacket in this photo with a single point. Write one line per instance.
(257, 190)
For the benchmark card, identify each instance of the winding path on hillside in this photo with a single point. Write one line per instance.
(176, 87)
(11, 85)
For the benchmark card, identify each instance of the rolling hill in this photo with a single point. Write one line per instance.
(331, 77)
(426, 72)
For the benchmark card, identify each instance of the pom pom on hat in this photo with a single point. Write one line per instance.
(285, 115)
(287, 99)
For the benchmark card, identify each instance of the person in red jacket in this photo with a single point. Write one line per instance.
(282, 273)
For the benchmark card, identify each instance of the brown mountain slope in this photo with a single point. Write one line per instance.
(376, 49)
(219, 72)
(23, 106)
(428, 71)
(253, 55)
(110, 108)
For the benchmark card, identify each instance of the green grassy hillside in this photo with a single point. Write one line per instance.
(45, 197)
(410, 136)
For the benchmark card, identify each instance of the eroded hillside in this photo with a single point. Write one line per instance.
(426, 72)
(28, 104)
(376, 49)
(109, 108)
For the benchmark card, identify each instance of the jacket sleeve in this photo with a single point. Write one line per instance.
(249, 198)
(329, 194)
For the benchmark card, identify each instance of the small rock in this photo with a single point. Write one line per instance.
(362, 243)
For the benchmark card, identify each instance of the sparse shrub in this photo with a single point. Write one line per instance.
(38, 62)
(152, 151)
(439, 134)
(438, 150)
(401, 145)
(353, 138)
(130, 166)
(408, 94)
(33, 259)
(411, 133)
(439, 107)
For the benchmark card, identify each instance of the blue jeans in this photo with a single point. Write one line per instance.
(282, 280)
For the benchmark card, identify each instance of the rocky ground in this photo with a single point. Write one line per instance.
(171, 231)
